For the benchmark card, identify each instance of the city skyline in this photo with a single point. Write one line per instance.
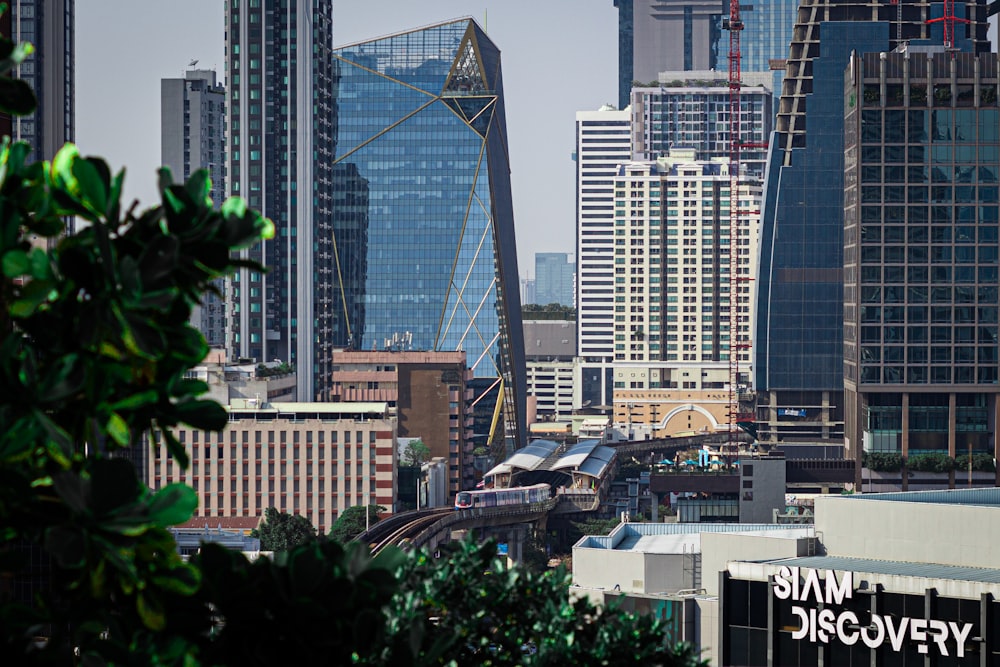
(564, 71)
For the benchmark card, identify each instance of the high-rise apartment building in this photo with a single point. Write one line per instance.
(49, 26)
(281, 101)
(602, 145)
(554, 278)
(423, 228)
(673, 291)
(659, 35)
(691, 110)
(922, 248)
(799, 353)
(192, 137)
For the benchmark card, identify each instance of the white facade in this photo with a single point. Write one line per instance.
(551, 383)
(672, 273)
(603, 143)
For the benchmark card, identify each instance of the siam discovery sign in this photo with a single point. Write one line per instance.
(828, 587)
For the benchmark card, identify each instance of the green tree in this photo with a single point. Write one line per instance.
(281, 531)
(415, 453)
(467, 608)
(352, 522)
(552, 311)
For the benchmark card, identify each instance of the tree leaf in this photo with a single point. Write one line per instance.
(16, 97)
(15, 263)
(173, 504)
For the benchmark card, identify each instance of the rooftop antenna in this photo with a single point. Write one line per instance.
(192, 63)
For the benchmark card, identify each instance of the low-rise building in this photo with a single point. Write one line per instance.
(310, 459)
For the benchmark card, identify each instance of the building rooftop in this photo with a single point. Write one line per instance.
(983, 497)
(893, 568)
(674, 538)
(298, 408)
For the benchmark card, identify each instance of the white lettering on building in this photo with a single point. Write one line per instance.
(824, 625)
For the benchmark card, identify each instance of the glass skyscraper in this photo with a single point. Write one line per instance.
(799, 341)
(922, 158)
(423, 224)
(281, 88)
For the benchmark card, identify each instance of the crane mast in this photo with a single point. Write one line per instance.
(737, 219)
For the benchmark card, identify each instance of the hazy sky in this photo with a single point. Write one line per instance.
(558, 57)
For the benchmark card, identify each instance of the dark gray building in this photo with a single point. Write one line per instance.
(281, 103)
(192, 137)
(921, 252)
(49, 26)
(659, 35)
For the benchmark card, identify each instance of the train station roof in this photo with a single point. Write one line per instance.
(589, 457)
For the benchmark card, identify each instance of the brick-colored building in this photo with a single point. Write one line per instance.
(430, 392)
(312, 459)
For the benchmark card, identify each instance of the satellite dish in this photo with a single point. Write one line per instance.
(192, 63)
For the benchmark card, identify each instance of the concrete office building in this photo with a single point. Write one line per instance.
(554, 278)
(550, 350)
(602, 145)
(659, 35)
(880, 579)
(921, 252)
(281, 85)
(192, 137)
(310, 459)
(431, 393)
(423, 226)
(50, 26)
(913, 581)
(798, 347)
(673, 292)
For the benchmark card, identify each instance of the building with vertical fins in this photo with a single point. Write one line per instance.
(192, 137)
(49, 26)
(423, 228)
(281, 91)
(922, 246)
(799, 330)
(602, 146)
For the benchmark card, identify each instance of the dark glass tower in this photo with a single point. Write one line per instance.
(922, 246)
(799, 342)
(49, 26)
(281, 90)
(423, 223)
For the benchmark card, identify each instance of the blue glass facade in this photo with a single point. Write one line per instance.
(767, 32)
(423, 221)
(799, 337)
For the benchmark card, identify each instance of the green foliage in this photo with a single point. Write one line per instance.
(552, 311)
(980, 462)
(415, 453)
(352, 522)
(882, 461)
(274, 371)
(931, 462)
(281, 531)
(467, 609)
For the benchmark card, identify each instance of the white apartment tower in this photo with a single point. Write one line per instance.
(602, 145)
(672, 286)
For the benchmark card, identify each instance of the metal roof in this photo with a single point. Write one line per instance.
(629, 536)
(989, 496)
(893, 568)
(588, 457)
(528, 458)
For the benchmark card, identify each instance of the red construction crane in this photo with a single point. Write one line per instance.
(948, 21)
(738, 343)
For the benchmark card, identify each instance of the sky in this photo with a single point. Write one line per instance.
(558, 57)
